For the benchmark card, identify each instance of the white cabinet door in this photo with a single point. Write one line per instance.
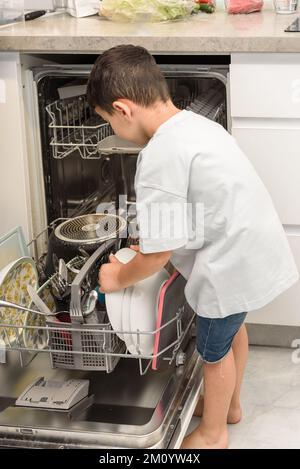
(275, 154)
(285, 309)
(14, 195)
(265, 85)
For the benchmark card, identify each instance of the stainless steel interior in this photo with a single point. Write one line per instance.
(125, 410)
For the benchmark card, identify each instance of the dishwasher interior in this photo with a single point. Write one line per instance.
(88, 178)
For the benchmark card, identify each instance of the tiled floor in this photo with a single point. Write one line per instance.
(271, 402)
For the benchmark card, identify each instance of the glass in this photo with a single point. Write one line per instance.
(59, 4)
(11, 11)
(285, 7)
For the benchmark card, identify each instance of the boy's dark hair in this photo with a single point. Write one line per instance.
(129, 72)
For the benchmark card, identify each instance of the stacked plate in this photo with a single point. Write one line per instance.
(133, 311)
(14, 279)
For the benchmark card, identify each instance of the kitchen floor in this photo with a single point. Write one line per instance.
(271, 401)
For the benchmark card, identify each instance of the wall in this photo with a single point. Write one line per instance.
(38, 4)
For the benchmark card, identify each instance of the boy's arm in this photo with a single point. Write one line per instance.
(116, 275)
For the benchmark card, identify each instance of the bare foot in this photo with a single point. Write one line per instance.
(198, 440)
(234, 414)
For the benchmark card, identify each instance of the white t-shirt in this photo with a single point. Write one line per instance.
(199, 196)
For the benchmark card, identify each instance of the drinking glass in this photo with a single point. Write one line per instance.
(11, 11)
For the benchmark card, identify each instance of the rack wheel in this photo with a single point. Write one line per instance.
(180, 358)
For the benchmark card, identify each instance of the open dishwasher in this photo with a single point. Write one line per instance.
(132, 400)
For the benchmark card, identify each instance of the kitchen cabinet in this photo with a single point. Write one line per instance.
(14, 197)
(265, 85)
(273, 149)
(265, 114)
(285, 309)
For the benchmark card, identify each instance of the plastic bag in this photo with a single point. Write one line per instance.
(145, 10)
(81, 8)
(243, 6)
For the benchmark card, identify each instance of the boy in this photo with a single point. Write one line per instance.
(235, 256)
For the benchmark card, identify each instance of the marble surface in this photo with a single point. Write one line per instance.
(270, 400)
(218, 33)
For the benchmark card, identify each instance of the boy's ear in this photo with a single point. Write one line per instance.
(122, 106)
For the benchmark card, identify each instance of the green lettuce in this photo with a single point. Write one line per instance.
(146, 10)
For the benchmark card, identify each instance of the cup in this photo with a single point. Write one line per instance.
(11, 11)
(59, 5)
(285, 7)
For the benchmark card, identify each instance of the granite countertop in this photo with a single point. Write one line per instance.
(217, 33)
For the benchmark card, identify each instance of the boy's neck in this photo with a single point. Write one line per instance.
(157, 115)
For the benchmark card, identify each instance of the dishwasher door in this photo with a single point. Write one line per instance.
(123, 410)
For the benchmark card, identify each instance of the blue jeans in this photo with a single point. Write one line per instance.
(215, 336)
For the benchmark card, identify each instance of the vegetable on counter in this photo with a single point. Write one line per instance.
(146, 10)
(208, 6)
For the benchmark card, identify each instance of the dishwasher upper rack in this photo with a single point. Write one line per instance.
(75, 127)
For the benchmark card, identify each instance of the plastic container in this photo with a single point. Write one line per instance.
(11, 11)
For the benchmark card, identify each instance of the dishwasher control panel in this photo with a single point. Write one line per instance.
(50, 394)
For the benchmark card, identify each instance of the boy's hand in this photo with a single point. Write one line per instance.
(109, 275)
(116, 275)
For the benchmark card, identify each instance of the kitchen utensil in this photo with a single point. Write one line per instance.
(12, 246)
(114, 300)
(9, 304)
(63, 272)
(39, 303)
(285, 7)
(86, 231)
(143, 312)
(34, 15)
(38, 338)
(59, 281)
(90, 308)
(14, 279)
(90, 229)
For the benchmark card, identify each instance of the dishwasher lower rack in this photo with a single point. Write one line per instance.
(95, 346)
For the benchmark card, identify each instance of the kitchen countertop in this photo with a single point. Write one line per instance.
(217, 33)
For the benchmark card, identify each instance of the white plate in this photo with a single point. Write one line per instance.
(125, 255)
(143, 312)
(114, 300)
(14, 279)
(126, 316)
